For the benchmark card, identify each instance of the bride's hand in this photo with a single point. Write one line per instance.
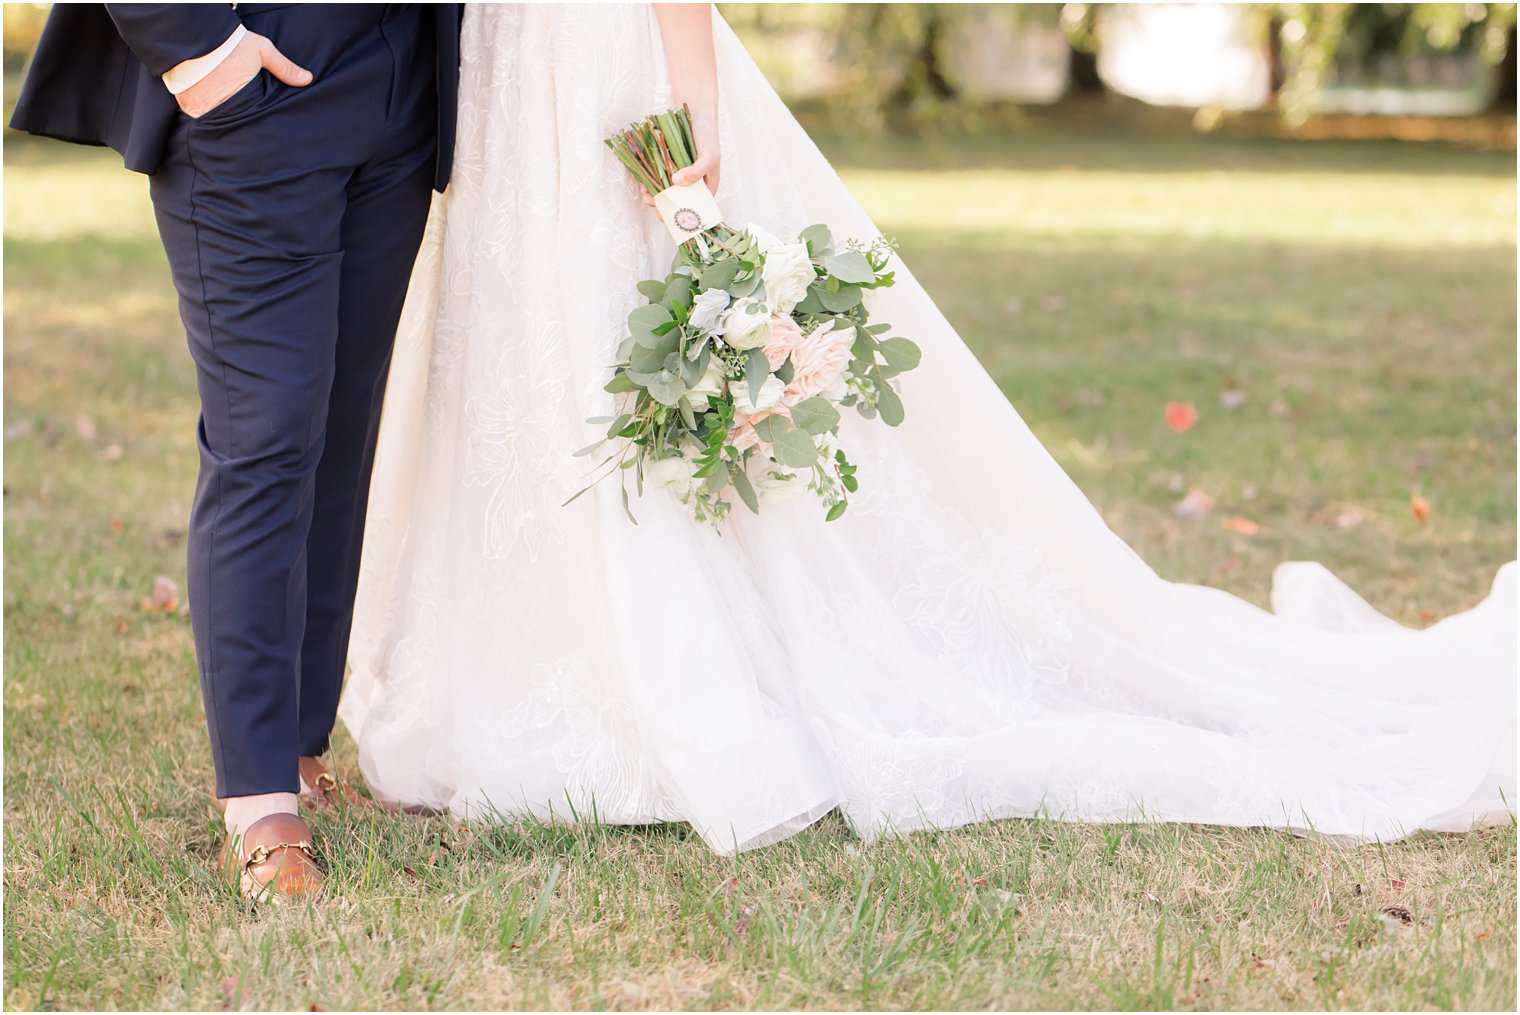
(706, 167)
(709, 156)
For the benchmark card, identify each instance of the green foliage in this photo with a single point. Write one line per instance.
(897, 64)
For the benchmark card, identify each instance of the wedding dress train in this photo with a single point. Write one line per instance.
(969, 642)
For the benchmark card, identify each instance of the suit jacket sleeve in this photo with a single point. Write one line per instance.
(163, 35)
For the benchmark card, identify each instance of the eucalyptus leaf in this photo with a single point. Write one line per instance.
(901, 354)
(690, 372)
(666, 387)
(889, 405)
(643, 321)
(644, 360)
(790, 446)
(679, 291)
(849, 266)
(620, 383)
(845, 299)
(744, 488)
(651, 290)
(756, 369)
(627, 510)
(817, 237)
(810, 304)
(721, 275)
(815, 415)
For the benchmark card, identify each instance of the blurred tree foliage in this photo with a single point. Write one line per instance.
(898, 61)
(874, 62)
(21, 26)
(1317, 42)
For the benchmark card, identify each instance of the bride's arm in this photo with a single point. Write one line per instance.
(687, 33)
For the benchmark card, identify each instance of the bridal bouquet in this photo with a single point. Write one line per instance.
(737, 368)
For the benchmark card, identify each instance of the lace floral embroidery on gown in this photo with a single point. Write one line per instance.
(965, 644)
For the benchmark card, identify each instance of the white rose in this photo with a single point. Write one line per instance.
(746, 328)
(673, 474)
(706, 310)
(769, 485)
(787, 273)
(770, 397)
(710, 385)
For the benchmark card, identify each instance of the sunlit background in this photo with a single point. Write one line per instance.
(1247, 270)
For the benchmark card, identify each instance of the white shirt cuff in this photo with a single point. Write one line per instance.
(192, 72)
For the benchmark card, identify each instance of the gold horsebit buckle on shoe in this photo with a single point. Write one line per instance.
(325, 783)
(261, 854)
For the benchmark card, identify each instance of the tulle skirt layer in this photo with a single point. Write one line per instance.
(970, 641)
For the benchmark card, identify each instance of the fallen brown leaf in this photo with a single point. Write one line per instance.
(165, 598)
(1197, 504)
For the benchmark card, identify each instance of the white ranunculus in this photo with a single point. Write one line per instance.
(773, 489)
(707, 310)
(673, 474)
(710, 385)
(787, 273)
(746, 328)
(770, 397)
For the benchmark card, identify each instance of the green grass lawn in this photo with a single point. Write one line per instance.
(1342, 315)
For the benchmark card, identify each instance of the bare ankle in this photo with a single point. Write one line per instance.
(243, 811)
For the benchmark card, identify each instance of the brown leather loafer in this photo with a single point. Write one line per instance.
(321, 789)
(274, 859)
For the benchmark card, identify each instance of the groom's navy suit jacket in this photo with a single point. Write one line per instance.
(96, 77)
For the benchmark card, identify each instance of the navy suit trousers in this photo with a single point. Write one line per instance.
(291, 217)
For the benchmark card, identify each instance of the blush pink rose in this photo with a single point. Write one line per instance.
(818, 361)
(784, 338)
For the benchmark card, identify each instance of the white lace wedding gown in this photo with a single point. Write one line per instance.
(969, 642)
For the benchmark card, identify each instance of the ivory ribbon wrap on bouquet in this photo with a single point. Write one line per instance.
(687, 210)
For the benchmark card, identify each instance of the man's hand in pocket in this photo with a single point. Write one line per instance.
(252, 54)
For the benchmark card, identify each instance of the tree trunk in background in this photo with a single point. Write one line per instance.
(1504, 94)
(1084, 72)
